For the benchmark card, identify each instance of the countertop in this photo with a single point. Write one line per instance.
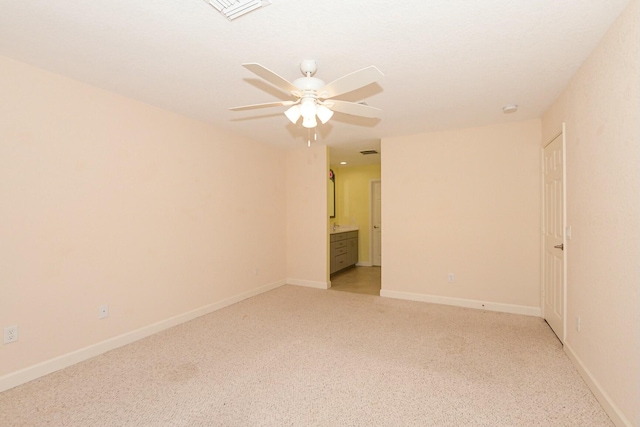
(343, 229)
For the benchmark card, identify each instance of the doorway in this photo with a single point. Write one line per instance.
(375, 242)
(366, 279)
(553, 233)
(354, 187)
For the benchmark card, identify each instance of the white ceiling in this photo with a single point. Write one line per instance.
(447, 63)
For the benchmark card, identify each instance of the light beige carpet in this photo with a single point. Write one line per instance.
(305, 357)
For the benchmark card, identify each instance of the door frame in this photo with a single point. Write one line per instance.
(562, 133)
(371, 208)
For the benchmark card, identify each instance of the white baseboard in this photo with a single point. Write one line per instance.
(41, 369)
(364, 264)
(467, 303)
(603, 397)
(309, 283)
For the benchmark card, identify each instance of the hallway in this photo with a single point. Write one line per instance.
(361, 280)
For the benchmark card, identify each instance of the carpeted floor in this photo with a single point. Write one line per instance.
(306, 357)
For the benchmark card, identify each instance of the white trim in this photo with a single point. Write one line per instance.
(371, 208)
(565, 249)
(309, 283)
(542, 231)
(364, 264)
(603, 397)
(371, 181)
(41, 369)
(461, 302)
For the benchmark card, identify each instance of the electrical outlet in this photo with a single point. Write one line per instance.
(452, 277)
(578, 323)
(256, 271)
(10, 334)
(103, 312)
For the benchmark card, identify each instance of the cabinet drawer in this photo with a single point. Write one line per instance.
(341, 261)
(340, 244)
(339, 251)
(352, 235)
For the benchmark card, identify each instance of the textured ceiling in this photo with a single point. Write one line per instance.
(447, 63)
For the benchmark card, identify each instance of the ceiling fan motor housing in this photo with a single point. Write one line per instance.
(308, 83)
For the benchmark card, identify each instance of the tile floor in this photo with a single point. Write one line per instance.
(361, 280)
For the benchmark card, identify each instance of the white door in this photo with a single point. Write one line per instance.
(376, 222)
(553, 236)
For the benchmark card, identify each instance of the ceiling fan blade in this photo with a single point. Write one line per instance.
(352, 81)
(354, 109)
(266, 104)
(271, 77)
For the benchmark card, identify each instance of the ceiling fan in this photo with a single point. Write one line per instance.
(314, 97)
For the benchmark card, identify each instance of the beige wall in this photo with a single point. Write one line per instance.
(104, 200)
(465, 202)
(353, 202)
(601, 108)
(307, 173)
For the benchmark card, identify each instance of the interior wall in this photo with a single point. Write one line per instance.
(105, 200)
(353, 202)
(307, 224)
(465, 202)
(601, 109)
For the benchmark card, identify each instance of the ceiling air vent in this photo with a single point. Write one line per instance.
(232, 9)
(365, 152)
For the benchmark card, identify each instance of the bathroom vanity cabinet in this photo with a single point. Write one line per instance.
(344, 250)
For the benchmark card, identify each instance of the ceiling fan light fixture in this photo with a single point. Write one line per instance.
(309, 122)
(308, 108)
(324, 114)
(293, 114)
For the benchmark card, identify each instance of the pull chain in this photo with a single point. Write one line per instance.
(315, 136)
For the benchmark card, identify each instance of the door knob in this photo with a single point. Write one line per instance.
(376, 226)
(560, 246)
